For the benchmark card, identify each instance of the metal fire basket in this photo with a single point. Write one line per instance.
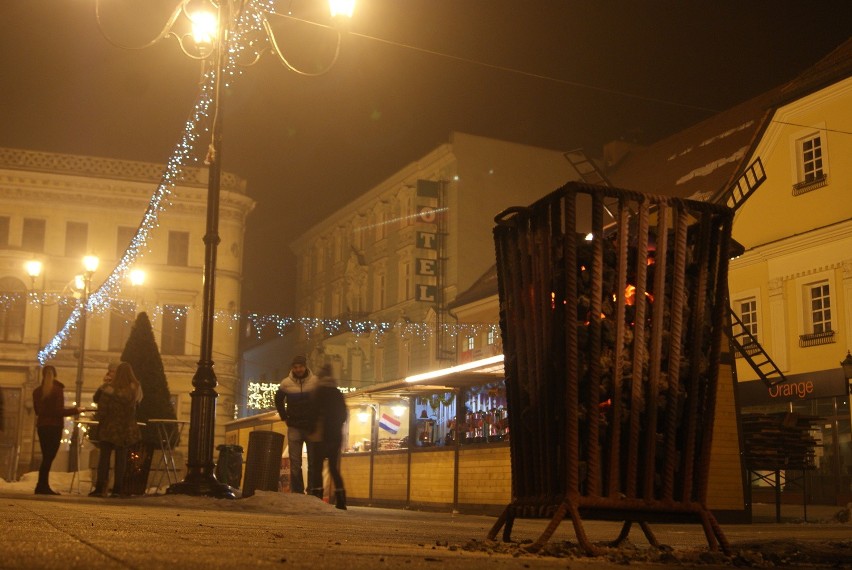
(612, 306)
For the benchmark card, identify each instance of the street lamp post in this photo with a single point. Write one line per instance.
(34, 268)
(90, 265)
(199, 479)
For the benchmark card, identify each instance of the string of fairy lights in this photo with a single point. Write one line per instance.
(244, 30)
(245, 26)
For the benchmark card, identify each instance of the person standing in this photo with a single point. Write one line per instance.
(332, 411)
(117, 427)
(297, 408)
(49, 404)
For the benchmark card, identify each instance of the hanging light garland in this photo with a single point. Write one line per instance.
(246, 26)
(242, 45)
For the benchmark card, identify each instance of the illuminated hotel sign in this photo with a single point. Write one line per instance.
(427, 240)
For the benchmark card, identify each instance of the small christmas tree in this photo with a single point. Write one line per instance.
(143, 355)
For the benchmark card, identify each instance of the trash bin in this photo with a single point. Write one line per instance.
(229, 467)
(263, 463)
(612, 305)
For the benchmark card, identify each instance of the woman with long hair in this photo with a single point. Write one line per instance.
(117, 427)
(49, 404)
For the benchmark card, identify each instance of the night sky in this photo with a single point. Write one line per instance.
(557, 74)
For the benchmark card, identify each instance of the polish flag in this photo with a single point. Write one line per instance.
(389, 423)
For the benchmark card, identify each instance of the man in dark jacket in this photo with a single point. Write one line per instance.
(297, 409)
(333, 414)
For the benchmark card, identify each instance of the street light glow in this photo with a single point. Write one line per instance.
(90, 263)
(204, 27)
(33, 268)
(137, 277)
(343, 8)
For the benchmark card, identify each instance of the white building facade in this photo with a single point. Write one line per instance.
(57, 208)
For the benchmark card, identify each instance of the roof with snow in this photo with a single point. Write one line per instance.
(703, 161)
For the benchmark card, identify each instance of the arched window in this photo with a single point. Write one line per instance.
(12, 309)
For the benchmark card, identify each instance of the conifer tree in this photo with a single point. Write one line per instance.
(143, 355)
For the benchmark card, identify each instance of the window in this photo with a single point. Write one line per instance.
(811, 159)
(123, 236)
(378, 291)
(33, 238)
(76, 239)
(471, 343)
(173, 335)
(820, 308)
(4, 231)
(492, 336)
(13, 310)
(178, 249)
(748, 315)
(380, 227)
(121, 316)
(811, 167)
(320, 260)
(405, 280)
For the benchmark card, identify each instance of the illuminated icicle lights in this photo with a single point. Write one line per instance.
(246, 25)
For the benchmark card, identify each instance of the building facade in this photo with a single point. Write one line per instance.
(57, 208)
(782, 159)
(379, 274)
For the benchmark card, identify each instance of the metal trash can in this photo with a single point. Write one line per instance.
(229, 467)
(612, 308)
(263, 463)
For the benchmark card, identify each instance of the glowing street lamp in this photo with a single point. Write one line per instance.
(211, 40)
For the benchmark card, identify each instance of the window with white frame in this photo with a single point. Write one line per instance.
(748, 315)
(811, 164)
(492, 336)
(819, 307)
(811, 158)
(471, 343)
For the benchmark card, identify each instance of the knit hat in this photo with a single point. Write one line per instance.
(299, 359)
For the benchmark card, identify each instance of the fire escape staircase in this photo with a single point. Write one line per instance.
(752, 352)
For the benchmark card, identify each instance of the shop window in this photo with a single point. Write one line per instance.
(392, 426)
(812, 174)
(435, 420)
(12, 310)
(484, 416)
(359, 435)
(33, 236)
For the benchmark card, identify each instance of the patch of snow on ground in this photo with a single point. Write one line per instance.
(261, 502)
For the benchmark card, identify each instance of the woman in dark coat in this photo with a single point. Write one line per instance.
(333, 414)
(49, 404)
(117, 427)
